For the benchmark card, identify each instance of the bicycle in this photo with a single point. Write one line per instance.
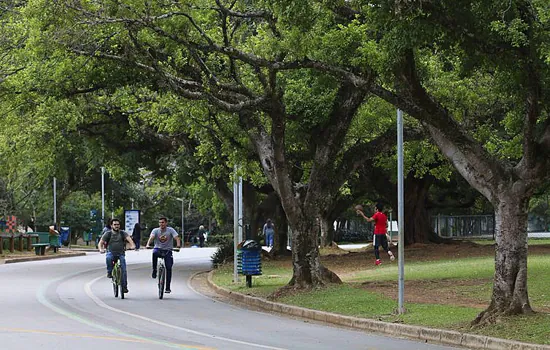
(117, 278)
(161, 272)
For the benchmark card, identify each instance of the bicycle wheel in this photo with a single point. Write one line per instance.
(120, 282)
(162, 281)
(115, 279)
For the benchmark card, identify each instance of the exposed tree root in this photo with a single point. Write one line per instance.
(492, 315)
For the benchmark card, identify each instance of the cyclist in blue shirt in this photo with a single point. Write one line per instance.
(164, 242)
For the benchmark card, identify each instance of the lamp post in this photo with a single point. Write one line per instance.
(54, 202)
(182, 220)
(400, 215)
(103, 196)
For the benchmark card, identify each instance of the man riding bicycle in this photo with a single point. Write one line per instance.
(115, 240)
(164, 242)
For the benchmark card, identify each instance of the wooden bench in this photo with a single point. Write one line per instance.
(46, 240)
(28, 236)
(40, 248)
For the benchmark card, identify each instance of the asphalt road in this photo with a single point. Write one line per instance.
(69, 304)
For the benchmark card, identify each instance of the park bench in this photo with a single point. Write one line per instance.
(46, 240)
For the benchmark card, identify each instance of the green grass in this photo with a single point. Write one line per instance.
(530, 329)
(531, 241)
(272, 279)
(470, 268)
(350, 299)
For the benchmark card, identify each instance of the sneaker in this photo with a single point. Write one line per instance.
(154, 274)
(168, 291)
(125, 290)
(109, 275)
(392, 258)
(377, 262)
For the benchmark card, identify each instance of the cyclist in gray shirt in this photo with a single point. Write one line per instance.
(163, 237)
(115, 240)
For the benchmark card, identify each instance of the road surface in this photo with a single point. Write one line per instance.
(69, 304)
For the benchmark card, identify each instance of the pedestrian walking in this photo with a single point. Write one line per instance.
(269, 232)
(136, 235)
(201, 233)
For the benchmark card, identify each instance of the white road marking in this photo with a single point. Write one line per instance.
(98, 301)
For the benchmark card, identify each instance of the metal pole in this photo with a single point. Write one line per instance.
(391, 226)
(401, 212)
(102, 197)
(240, 193)
(182, 222)
(112, 204)
(54, 202)
(235, 226)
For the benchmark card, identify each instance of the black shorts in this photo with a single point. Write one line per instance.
(380, 240)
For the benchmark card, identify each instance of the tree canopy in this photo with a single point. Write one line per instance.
(299, 86)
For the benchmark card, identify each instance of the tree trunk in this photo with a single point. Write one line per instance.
(417, 218)
(327, 231)
(250, 206)
(280, 238)
(308, 270)
(510, 280)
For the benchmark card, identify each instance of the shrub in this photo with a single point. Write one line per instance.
(360, 234)
(224, 251)
(214, 240)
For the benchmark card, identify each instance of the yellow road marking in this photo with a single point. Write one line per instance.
(81, 335)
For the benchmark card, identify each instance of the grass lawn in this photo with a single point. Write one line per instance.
(446, 289)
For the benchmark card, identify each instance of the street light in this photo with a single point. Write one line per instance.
(182, 221)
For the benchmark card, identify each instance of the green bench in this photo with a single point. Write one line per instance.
(45, 240)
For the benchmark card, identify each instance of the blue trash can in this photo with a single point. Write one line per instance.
(249, 260)
(64, 236)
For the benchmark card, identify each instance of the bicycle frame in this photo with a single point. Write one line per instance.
(117, 278)
(161, 273)
(161, 276)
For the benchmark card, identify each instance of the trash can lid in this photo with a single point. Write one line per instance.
(250, 244)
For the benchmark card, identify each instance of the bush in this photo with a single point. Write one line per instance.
(361, 234)
(224, 251)
(214, 240)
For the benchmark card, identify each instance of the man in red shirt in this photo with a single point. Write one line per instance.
(380, 229)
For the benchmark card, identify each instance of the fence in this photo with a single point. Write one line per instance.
(464, 226)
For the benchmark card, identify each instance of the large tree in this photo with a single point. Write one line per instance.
(416, 55)
(206, 53)
(476, 74)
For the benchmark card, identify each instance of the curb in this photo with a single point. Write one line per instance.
(45, 257)
(428, 335)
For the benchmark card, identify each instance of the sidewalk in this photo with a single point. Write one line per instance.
(424, 334)
(31, 256)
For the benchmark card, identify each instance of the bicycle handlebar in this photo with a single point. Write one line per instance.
(173, 249)
(105, 250)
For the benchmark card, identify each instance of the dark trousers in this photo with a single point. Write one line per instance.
(137, 241)
(168, 261)
(379, 240)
